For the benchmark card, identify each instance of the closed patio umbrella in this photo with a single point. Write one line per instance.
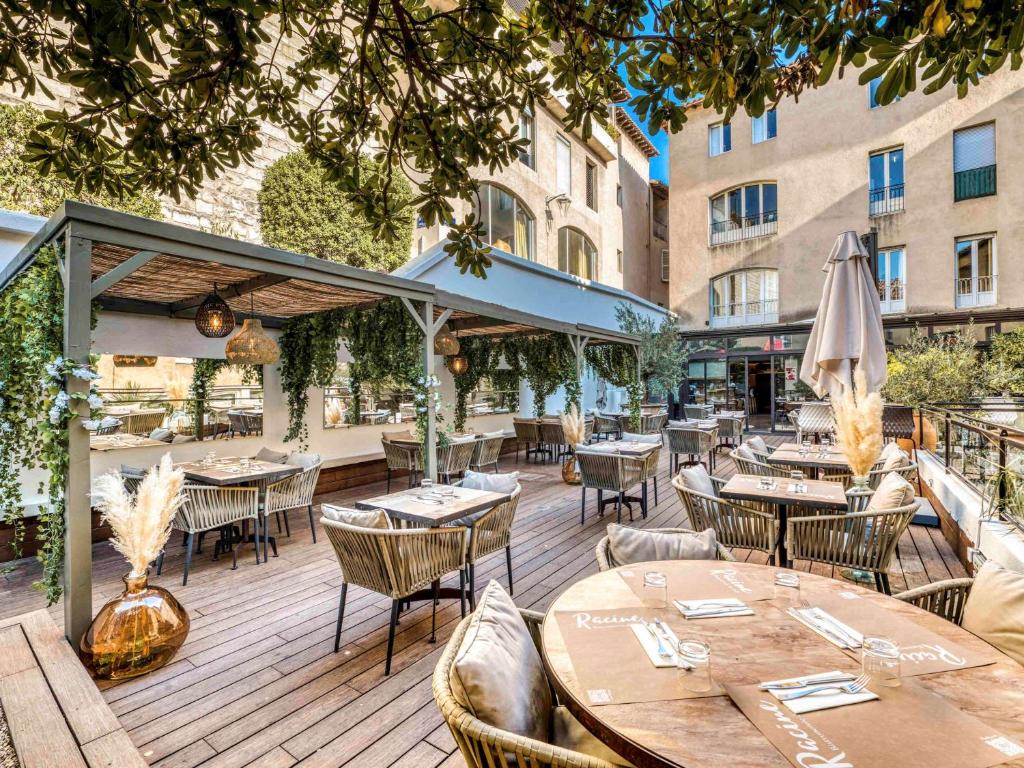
(847, 330)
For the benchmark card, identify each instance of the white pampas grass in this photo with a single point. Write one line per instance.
(859, 425)
(334, 413)
(141, 524)
(573, 425)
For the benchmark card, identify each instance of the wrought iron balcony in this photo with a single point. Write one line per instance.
(744, 228)
(885, 200)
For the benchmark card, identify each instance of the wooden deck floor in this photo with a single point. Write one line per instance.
(257, 683)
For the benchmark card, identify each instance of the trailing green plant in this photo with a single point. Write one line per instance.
(506, 384)
(483, 355)
(309, 357)
(662, 355)
(37, 410)
(301, 210)
(934, 370)
(617, 364)
(204, 371)
(548, 363)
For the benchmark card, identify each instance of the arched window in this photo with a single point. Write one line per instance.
(504, 221)
(750, 210)
(576, 254)
(745, 297)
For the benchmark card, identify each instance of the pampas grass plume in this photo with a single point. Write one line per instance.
(140, 524)
(859, 425)
(573, 425)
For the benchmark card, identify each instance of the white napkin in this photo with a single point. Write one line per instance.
(816, 701)
(829, 627)
(713, 608)
(650, 646)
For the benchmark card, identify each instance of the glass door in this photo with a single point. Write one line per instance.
(736, 399)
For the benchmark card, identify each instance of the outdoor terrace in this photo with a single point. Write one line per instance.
(257, 682)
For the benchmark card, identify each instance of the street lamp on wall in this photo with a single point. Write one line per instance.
(563, 200)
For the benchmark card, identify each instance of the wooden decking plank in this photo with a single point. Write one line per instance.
(423, 755)
(41, 736)
(115, 750)
(15, 653)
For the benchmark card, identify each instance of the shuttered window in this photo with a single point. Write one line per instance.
(974, 148)
(563, 159)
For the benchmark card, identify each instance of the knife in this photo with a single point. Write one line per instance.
(824, 629)
(833, 623)
(803, 682)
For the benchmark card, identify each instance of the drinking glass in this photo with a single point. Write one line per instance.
(655, 590)
(880, 660)
(427, 484)
(447, 493)
(765, 483)
(787, 589)
(693, 662)
(245, 462)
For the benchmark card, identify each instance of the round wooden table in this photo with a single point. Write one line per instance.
(712, 731)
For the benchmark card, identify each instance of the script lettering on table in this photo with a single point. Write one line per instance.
(587, 621)
(731, 578)
(810, 753)
(924, 652)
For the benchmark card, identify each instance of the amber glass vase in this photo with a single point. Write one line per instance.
(570, 474)
(135, 633)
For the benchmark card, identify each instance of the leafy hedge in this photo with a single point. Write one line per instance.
(300, 210)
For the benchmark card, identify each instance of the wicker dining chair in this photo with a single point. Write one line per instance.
(606, 426)
(865, 541)
(588, 429)
(652, 423)
(253, 423)
(489, 532)
(945, 598)
(486, 453)
(693, 443)
(696, 411)
(730, 431)
(607, 471)
(552, 438)
(747, 466)
(454, 458)
(605, 561)
(142, 422)
(401, 458)
(734, 524)
(907, 472)
(815, 419)
(108, 426)
(483, 745)
(208, 508)
(293, 492)
(528, 434)
(395, 563)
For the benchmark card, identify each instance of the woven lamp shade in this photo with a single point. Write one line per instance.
(214, 318)
(445, 343)
(252, 346)
(458, 364)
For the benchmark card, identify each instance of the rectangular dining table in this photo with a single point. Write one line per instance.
(116, 441)
(787, 456)
(821, 494)
(229, 471)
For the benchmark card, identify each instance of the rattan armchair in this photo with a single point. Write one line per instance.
(611, 472)
(552, 438)
(401, 458)
(453, 459)
(606, 426)
(692, 443)
(730, 431)
(734, 524)
(943, 598)
(528, 434)
(396, 563)
(908, 473)
(486, 453)
(606, 562)
(693, 411)
(815, 419)
(483, 745)
(490, 532)
(208, 508)
(747, 467)
(652, 423)
(293, 492)
(865, 541)
(142, 422)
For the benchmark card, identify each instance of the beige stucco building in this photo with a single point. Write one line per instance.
(757, 204)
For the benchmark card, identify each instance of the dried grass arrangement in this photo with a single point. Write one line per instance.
(573, 425)
(334, 413)
(141, 524)
(858, 416)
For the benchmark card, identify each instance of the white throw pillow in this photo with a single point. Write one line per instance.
(268, 454)
(370, 518)
(461, 438)
(684, 423)
(757, 444)
(995, 609)
(304, 460)
(632, 545)
(638, 438)
(893, 491)
(161, 434)
(696, 478)
(498, 674)
(488, 481)
(744, 452)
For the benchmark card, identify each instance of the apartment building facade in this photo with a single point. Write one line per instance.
(757, 204)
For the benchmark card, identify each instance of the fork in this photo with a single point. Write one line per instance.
(663, 650)
(856, 686)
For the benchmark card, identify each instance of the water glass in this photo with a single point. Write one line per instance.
(693, 662)
(805, 446)
(427, 484)
(655, 590)
(447, 493)
(796, 476)
(245, 462)
(880, 661)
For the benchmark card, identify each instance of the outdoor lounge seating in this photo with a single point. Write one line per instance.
(609, 472)
(730, 431)
(747, 464)
(453, 459)
(528, 434)
(396, 563)
(606, 427)
(552, 439)
(815, 420)
(141, 422)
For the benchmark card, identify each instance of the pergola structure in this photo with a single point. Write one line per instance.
(139, 266)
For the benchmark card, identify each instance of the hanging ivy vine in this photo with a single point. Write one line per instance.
(616, 364)
(36, 410)
(204, 371)
(483, 356)
(309, 357)
(548, 362)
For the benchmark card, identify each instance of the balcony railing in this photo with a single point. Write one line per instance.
(745, 313)
(976, 182)
(885, 200)
(891, 296)
(983, 444)
(744, 228)
(975, 291)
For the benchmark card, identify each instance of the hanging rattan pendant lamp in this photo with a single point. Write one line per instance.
(214, 318)
(252, 346)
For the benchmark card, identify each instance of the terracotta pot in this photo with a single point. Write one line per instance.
(136, 633)
(928, 440)
(570, 474)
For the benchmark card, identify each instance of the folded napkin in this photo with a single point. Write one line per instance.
(828, 626)
(824, 700)
(650, 646)
(799, 488)
(713, 608)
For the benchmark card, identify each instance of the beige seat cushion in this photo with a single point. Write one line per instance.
(757, 444)
(269, 454)
(632, 545)
(491, 481)
(370, 518)
(696, 478)
(896, 459)
(498, 674)
(893, 491)
(744, 452)
(403, 434)
(635, 437)
(304, 460)
(569, 733)
(995, 609)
